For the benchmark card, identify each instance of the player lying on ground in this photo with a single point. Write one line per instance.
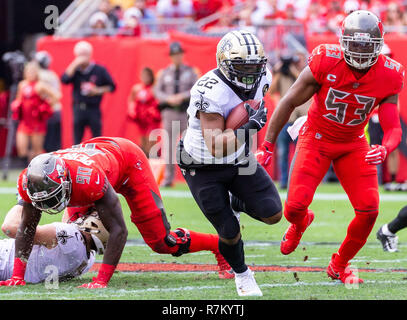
(387, 232)
(71, 248)
(216, 160)
(347, 82)
(91, 174)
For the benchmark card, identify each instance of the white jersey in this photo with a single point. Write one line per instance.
(69, 256)
(213, 93)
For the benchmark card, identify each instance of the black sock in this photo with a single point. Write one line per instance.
(400, 222)
(234, 255)
(238, 205)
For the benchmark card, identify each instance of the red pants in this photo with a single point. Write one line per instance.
(312, 159)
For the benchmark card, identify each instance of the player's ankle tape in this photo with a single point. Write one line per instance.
(105, 272)
(19, 268)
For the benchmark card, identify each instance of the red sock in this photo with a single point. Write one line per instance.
(203, 241)
(358, 231)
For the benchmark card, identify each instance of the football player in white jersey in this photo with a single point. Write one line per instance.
(68, 247)
(217, 162)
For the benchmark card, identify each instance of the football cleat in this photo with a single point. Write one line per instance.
(225, 271)
(292, 237)
(344, 274)
(246, 285)
(389, 243)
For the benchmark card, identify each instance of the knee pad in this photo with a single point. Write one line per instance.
(211, 200)
(180, 238)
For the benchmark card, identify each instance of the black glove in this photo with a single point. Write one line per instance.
(257, 120)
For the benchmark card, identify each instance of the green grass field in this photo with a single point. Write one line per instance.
(333, 214)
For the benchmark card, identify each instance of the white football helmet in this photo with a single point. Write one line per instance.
(241, 59)
(93, 225)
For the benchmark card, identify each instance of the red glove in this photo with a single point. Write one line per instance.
(17, 279)
(265, 153)
(101, 281)
(376, 155)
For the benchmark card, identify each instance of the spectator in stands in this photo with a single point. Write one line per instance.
(131, 23)
(90, 82)
(53, 136)
(143, 108)
(174, 8)
(227, 20)
(350, 5)
(285, 72)
(146, 13)
(262, 10)
(204, 8)
(335, 16)
(99, 23)
(246, 12)
(173, 93)
(111, 14)
(316, 20)
(393, 18)
(32, 108)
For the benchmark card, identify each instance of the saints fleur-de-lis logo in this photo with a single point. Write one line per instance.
(63, 237)
(201, 105)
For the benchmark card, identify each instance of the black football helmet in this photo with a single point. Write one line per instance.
(48, 183)
(361, 39)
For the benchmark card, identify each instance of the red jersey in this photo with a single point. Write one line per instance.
(344, 103)
(91, 165)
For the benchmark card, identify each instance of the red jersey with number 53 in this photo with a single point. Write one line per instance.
(344, 103)
(91, 165)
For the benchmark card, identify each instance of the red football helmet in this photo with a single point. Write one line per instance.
(361, 39)
(48, 183)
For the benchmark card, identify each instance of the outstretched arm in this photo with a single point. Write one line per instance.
(44, 235)
(300, 92)
(111, 215)
(24, 243)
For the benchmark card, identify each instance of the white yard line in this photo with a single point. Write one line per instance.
(318, 196)
(109, 293)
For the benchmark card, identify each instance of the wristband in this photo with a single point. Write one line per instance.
(19, 268)
(268, 146)
(105, 272)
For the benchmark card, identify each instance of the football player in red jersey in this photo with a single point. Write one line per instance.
(92, 173)
(347, 82)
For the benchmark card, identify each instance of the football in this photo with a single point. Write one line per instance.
(239, 116)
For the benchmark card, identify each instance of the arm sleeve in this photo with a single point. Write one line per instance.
(390, 122)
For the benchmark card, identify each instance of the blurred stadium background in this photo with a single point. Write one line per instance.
(128, 35)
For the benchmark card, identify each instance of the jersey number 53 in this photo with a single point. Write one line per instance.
(332, 102)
